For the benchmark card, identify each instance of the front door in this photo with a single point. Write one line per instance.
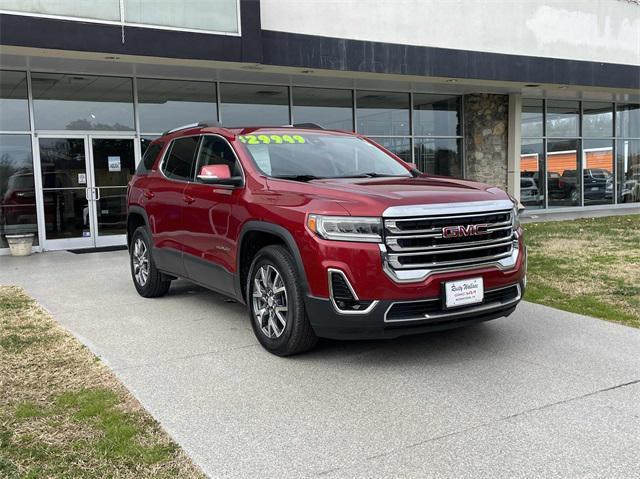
(84, 181)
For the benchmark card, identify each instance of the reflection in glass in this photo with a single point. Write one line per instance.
(563, 182)
(112, 211)
(597, 119)
(113, 161)
(628, 120)
(532, 122)
(64, 181)
(329, 108)
(167, 104)
(145, 141)
(597, 174)
(531, 173)
(254, 105)
(628, 153)
(398, 146)
(17, 192)
(438, 156)
(218, 16)
(14, 107)
(562, 118)
(82, 102)
(382, 113)
(436, 115)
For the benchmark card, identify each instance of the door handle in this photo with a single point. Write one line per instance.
(188, 199)
(96, 194)
(149, 194)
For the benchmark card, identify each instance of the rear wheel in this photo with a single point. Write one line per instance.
(149, 282)
(276, 303)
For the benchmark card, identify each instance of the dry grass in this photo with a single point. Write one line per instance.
(64, 414)
(588, 266)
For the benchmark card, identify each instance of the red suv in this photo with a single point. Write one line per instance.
(322, 234)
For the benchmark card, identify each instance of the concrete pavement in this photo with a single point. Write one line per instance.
(540, 394)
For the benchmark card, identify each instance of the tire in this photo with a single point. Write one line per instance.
(153, 283)
(273, 283)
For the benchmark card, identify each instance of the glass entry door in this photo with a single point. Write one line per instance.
(84, 186)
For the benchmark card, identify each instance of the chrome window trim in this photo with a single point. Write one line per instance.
(168, 150)
(367, 310)
(442, 209)
(482, 308)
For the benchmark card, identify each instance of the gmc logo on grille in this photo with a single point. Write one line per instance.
(460, 231)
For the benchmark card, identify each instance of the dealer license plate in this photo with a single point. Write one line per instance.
(463, 292)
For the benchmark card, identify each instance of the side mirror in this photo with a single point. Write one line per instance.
(218, 175)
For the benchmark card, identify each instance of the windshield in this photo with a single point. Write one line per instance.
(308, 156)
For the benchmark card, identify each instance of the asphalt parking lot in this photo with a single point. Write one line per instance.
(542, 393)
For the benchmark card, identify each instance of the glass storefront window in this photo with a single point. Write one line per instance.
(14, 103)
(532, 118)
(531, 173)
(82, 102)
(597, 172)
(254, 105)
(95, 9)
(628, 120)
(382, 113)
(17, 190)
(562, 118)
(167, 104)
(438, 156)
(436, 115)
(329, 108)
(628, 153)
(398, 146)
(218, 16)
(563, 182)
(597, 119)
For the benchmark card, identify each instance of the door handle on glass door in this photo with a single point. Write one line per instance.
(149, 194)
(188, 199)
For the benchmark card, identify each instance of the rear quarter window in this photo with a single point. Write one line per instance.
(149, 158)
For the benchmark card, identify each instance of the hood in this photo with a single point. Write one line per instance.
(371, 196)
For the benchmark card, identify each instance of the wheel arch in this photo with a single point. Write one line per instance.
(136, 217)
(254, 236)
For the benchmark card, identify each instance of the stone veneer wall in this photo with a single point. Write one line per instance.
(485, 132)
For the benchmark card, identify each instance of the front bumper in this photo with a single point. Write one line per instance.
(380, 324)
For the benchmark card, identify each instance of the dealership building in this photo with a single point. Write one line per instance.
(540, 97)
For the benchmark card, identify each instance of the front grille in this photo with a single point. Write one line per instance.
(418, 243)
(434, 308)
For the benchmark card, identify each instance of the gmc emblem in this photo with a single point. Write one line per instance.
(460, 231)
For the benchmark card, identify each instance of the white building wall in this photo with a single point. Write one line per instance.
(594, 30)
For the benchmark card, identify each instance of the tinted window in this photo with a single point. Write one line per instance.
(383, 113)
(597, 119)
(436, 115)
(216, 151)
(562, 118)
(179, 163)
(82, 102)
(532, 125)
(149, 158)
(253, 105)
(13, 101)
(327, 107)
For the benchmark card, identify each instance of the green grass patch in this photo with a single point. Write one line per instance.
(587, 266)
(63, 414)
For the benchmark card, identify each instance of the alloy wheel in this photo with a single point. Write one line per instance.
(140, 260)
(270, 301)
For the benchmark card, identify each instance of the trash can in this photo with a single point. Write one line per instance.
(20, 245)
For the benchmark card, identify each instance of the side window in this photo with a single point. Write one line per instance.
(179, 163)
(216, 151)
(149, 158)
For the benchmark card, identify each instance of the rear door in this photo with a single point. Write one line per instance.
(210, 224)
(165, 201)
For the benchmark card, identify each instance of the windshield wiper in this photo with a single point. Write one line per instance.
(372, 175)
(299, 177)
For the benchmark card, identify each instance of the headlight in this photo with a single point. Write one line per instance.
(517, 209)
(346, 228)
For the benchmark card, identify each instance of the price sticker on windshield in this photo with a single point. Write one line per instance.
(266, 139)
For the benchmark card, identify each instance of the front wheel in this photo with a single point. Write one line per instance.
(276, 303)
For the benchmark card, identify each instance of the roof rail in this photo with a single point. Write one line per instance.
(311, 126)
(201, 124)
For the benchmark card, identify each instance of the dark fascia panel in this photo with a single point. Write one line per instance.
(310, 51)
